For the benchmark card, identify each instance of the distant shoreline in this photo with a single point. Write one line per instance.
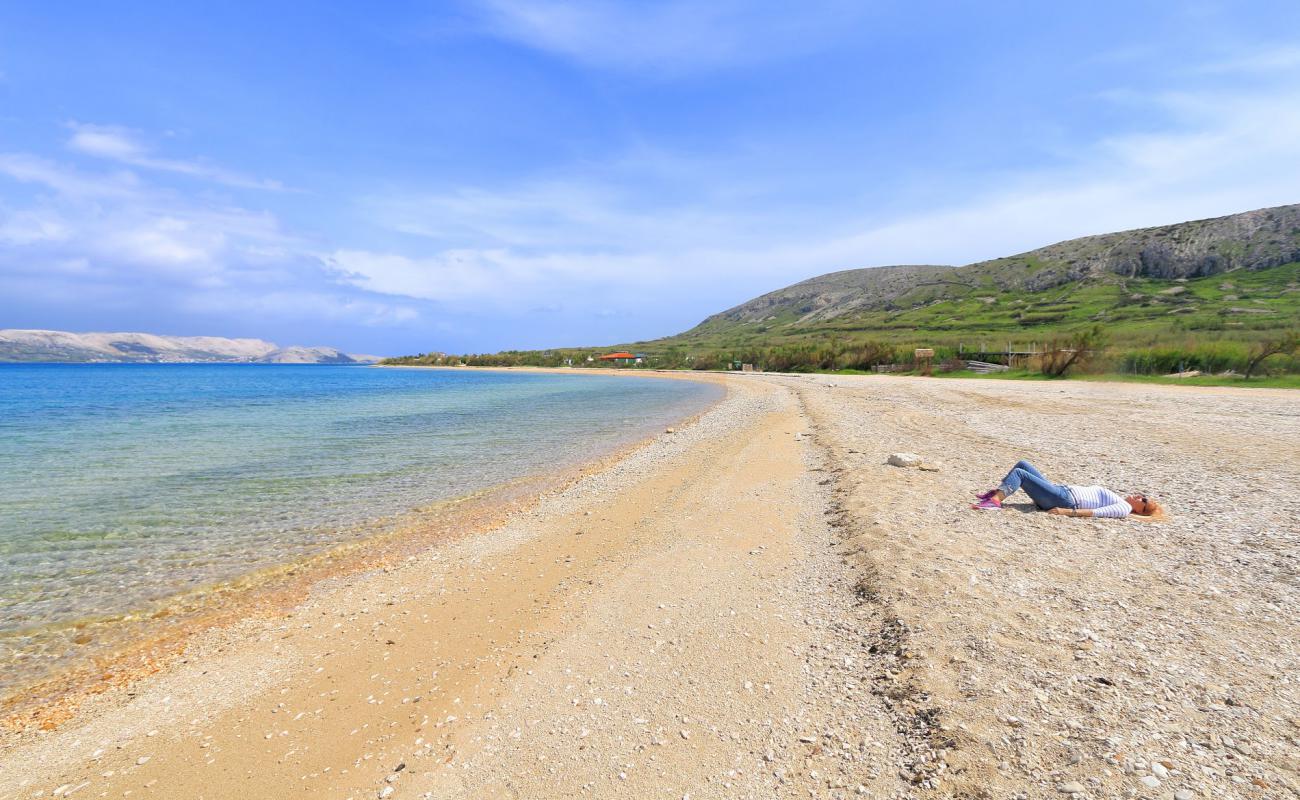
(1204, 381)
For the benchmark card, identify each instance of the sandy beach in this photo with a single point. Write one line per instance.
(756, 605)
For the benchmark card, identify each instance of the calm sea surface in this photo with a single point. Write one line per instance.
(124, 484)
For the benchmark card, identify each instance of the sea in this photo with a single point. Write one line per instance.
(124, 484)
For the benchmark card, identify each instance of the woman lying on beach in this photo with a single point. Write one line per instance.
(1068, 501)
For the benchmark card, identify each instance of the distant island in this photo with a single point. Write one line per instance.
(148, 348)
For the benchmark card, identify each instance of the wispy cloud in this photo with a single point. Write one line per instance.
(30, 226)
(1260, 61)
(66, 180)
(652, 239)
(496, 278)
(1206, 152)
(609, 213)
(1216, 153)
(114, 239)
(124, 146)
(677, 36)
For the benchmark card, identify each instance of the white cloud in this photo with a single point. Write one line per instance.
(299, 304)
(118, 144)
(111, 240)
(677, 35)
(165, 241)
(635, 235)
(499, 278)
(29, 226)
(104, 142)
(113, 217)
(1261, 61)
(1213, 152)
(611, 215)
(66, 180)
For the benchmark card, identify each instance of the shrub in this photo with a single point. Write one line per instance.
(1287, 344)
(1062, 355)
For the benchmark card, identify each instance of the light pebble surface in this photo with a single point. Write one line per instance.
(1114, 655)
(757, 605)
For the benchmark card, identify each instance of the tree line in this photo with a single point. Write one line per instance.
(1080, 351)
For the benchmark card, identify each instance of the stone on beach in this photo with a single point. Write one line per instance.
(904, 460)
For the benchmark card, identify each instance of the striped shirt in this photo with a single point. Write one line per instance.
(1102, 502)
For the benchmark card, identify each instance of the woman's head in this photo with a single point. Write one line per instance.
(1143, 505)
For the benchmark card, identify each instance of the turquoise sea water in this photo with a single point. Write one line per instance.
(124, 484)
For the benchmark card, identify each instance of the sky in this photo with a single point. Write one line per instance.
(477, 175)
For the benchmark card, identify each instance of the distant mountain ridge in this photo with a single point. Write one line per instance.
(1253, 240)
(62, 346)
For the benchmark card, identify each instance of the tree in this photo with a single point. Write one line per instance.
(1061, 355)
(1287, 343)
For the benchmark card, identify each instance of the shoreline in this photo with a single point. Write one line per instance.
(132, 646)
(760, 606)
(1200, 382)
(223, 664)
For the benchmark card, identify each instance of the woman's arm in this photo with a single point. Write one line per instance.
(1070, 512)
(1114, 511)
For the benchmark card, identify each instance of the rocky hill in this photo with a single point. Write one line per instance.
(1131, 275)
(1253, 240)
(837, 293)
(38, 345)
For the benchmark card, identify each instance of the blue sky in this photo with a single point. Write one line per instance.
(472, 176)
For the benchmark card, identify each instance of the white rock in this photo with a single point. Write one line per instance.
(905, 460)
(1184, 794)
(1150, 781)
(1071, 787)
(1159, 770)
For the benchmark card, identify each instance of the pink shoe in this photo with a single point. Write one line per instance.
(988, 504)
(986, 495)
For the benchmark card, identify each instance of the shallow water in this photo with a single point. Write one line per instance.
(121, 485)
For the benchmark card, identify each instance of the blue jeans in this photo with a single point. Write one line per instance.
(1045, 494)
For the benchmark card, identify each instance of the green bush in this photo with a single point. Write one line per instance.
(1212, 357)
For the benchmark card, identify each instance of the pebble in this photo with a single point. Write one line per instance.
(1150, 781)
(1071, 787)
(1159, 770)
(1184, 794)
(141, 761)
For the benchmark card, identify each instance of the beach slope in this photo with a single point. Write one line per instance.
(757, 605)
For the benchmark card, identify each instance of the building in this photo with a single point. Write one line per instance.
(623, 358)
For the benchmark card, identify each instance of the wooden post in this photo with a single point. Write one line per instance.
(925, 359)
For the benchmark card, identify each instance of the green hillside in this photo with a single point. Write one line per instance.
(1238, 305)
(1195, 295)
